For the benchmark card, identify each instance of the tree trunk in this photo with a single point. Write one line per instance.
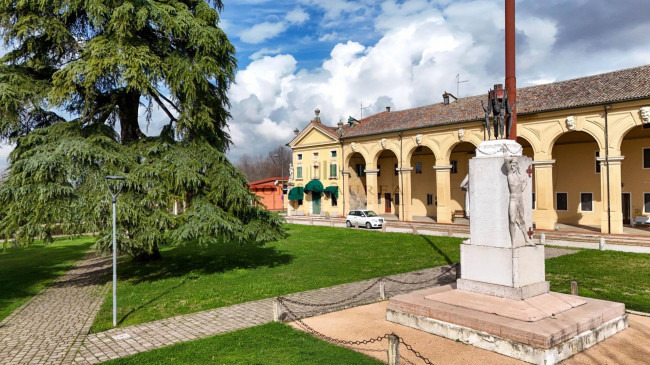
(128, 113)
(144, 256)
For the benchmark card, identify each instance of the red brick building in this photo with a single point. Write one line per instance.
(270, 191)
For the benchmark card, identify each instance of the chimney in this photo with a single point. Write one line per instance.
(447, 98)
(388, 109)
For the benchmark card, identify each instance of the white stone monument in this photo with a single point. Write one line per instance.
(502, 301)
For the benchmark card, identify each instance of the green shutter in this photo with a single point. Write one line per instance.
(299, 172)
(333, 170)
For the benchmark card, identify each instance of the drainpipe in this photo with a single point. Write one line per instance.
(609, 211)
(401, 176)
(343, 192)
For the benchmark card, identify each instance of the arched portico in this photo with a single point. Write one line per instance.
(355, 182)
(634, 172)
(423, 183)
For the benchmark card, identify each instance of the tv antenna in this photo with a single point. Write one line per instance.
(362, 110)
(458, 82)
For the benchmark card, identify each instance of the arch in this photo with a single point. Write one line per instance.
(553, 140)
(623, 127)
(376, 154)
(633, 173)
(349, 153)
(453, 146)
(425, 144)
(423, 183)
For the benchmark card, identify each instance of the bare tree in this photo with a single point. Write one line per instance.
(260, 167)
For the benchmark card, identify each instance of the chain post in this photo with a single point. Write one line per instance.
(383, 226)
(393, 349)
(415, 229)
(574, 287)
(382, 290)
(458, 271)
(277, 310)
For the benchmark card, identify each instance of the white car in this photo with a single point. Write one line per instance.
(366, 218)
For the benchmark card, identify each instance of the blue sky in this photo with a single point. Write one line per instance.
(298, 55)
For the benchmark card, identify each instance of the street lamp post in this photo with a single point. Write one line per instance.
(115, 184)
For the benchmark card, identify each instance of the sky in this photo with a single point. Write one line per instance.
(298, 55)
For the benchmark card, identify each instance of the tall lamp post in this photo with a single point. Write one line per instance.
(115, 184)
(281, 175)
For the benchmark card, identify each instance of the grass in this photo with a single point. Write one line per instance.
(608, 275)
(25, 271)
(191, 279)
(272, 343)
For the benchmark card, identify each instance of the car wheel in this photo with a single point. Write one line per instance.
(368, 225)
(348, 224)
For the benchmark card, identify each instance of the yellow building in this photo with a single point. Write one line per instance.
(589, 139)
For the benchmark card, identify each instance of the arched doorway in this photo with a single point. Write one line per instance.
(577, 182)
(459, 161)
(527, 150)
(388, 194)
(635, 171)
(357, 187)
(423, 184)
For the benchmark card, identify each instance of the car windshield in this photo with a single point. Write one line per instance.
(370, 213)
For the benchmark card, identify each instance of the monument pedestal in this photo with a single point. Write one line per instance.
(502, 301)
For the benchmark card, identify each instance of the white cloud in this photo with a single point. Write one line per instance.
(264, 52)
(261, 32)
(297, 16)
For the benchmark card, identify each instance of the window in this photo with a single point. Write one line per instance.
(533, 200)
(454, 166)
(597, 162)
(586, 202)
(396, 198)
(646, 158)
(333, 154)
(418, 167)
(299, 157)
(429, 199)
(298, 172)
(378, 170)
(378, 198)
(315, 156)
(361, 170)
(333, 170)
(561, 201)
(646, 203)
(335, 201)
(396, 172)
(299, 202)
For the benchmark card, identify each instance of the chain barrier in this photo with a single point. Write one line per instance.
(352, 344)
(377, 281)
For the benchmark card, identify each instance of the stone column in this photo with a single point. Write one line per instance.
(372, 189)
(545, 216)
(346, 191)
(443, 193)
(405, 194)
(616, 210)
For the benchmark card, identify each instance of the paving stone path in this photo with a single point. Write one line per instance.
(120, 342)
(50, 327)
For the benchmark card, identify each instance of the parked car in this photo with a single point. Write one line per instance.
(366, 218)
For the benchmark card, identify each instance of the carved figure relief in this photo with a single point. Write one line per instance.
(353, 146)
(461, 134)
(645, 114)
(383, 143)
(290, 172)
(418, 139)
(571, 123)
(517, 181)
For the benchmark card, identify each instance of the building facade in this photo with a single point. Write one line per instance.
(589, 139)
(269, 192)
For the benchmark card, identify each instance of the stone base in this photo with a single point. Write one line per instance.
(546, 341)
(502, 291)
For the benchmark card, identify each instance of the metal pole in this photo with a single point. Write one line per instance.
(282, 176)
(511, 79)
(114, 266)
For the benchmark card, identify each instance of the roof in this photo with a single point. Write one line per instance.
(267, 181)
(617, 86)
(329, 131)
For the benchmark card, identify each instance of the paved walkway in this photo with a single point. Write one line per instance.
(120, 342)
(50, 327)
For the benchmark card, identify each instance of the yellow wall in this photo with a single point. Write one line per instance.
(635, 179)
(387, 182)
(423, 184)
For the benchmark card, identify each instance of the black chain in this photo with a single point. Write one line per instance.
(421, 282)
(348, 343)
(283, 299)
(416, 353)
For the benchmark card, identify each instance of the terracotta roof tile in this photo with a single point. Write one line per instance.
(628, 84)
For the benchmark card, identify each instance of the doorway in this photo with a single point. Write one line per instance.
(626, 200)
(387, 201)
(315, 202)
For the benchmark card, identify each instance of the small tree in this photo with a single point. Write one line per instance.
(104, 63)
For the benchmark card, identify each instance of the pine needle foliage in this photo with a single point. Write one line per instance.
(99, 63)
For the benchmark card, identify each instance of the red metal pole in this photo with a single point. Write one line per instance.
(511, 79)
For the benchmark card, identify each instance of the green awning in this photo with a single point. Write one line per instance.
(334, 190)
(315, 186)
(296, 193)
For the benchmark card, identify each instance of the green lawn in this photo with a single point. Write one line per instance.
(272, 343)
(24, 271)
(609, 275)
(191, 279)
